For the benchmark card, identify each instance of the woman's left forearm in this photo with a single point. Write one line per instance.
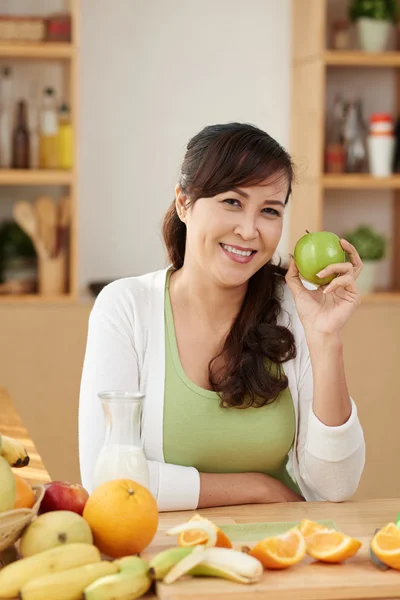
(331, 400)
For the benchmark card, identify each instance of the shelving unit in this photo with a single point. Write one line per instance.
(311, 64)
(67, 55)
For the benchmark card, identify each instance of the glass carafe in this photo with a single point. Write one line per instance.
(122, 455)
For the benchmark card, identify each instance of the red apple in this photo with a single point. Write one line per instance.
(62, 495)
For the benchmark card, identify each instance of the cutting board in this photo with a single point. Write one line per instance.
(310, 580)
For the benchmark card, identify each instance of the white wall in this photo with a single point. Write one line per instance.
(153, 73)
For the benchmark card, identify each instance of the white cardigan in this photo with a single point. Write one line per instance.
(126, 351)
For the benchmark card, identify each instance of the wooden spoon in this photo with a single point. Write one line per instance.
(24, 215)
(46, 213)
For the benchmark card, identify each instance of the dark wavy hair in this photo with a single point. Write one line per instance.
(217, 159)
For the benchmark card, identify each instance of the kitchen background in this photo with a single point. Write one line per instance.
(111, 93)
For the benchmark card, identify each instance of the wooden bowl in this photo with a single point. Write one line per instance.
(13, 522)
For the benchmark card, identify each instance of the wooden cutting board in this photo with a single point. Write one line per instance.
(310, 580)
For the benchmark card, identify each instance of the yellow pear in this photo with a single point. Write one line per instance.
(55, 528)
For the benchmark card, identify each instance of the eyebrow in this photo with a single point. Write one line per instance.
(246, 195)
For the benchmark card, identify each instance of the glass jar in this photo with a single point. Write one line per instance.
(122, 455)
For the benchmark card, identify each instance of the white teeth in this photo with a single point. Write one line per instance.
(236, 251)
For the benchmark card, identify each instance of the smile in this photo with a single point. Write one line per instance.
(242, 256)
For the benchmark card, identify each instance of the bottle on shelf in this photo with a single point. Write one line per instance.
(355, 134)
(381, 144)
(335, 153)
(20, 138)
(65, 139)
(48, 131)
(6, 118)
(33, 123)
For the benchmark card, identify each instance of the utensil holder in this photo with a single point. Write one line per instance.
(52, 275)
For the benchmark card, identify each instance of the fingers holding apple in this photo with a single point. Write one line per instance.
(353, 256)
(316, 251)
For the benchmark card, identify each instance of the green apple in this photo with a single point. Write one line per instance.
(315, 251)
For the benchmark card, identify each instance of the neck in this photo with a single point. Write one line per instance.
(202, 296)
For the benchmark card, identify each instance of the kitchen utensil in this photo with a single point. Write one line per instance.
(24, 215)
(46, 214)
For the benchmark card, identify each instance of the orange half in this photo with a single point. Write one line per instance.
(194, 537)
(331, 546)
(309, 527)
(281, 551)
(386, 545)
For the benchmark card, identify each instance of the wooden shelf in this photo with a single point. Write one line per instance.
(360, 181)
(34, 51)
(34, 177)
(356, 58)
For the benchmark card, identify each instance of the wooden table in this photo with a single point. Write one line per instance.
(358, 519)
(12, 426)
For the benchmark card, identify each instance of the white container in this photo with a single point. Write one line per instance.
(381, 145)
(373, 35)
(380, 150)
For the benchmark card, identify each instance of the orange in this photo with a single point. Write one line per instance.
(386, 545)
(123, 516)
(281, 551)
(25, 496)
(309, 527)
(331, 546)
(194, 537)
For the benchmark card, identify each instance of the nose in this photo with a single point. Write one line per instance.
(247, 227)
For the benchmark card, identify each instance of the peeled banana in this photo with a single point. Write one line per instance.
(68, 585)
(162, 563)
(217, 562)
(14, 576)
(132, 582)
(13, 451)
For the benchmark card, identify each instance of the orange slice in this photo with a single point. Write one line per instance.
(386, 545)
(281, 551)
(309, 527)
(331, 546)
(194, 537)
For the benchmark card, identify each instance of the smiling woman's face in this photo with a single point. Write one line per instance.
(232, 235)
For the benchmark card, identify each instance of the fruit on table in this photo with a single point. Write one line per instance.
(331, 546)
(7, 486)
(308, 527)
(386, 545)
(281, 551)
(62, 495)
(123, 516)
(131, 582)
(67, 585)
(162, 563)
(55, 529)
(13, 451)
(315, 251)
(14, 576)
(25, 496)
(189, 533)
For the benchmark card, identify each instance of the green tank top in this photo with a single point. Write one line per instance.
(198, 433)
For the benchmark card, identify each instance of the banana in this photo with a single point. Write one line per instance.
(13, 577)
(132, 582)
(218, 562)
(69, 584)
(162, 563)
(7, 486)
(13, 451)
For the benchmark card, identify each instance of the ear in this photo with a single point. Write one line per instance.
(181, 203)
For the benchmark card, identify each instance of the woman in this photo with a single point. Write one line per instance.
(246, 395)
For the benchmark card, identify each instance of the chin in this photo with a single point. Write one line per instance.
(233, 277)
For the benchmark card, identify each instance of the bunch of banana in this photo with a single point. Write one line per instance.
(13, 451)
(132, 582)
(172, 564)
(18, 574)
